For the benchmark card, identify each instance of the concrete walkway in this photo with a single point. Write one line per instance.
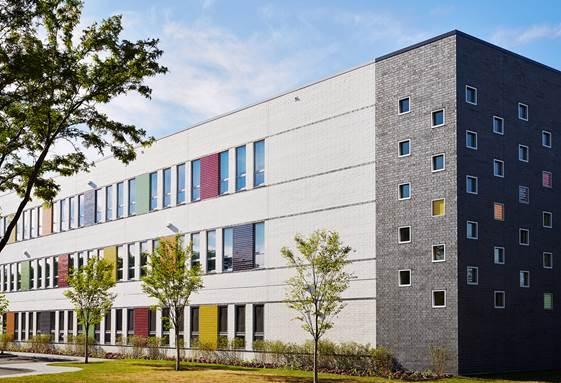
(16, 364)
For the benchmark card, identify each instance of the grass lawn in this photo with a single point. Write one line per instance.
(138, 371)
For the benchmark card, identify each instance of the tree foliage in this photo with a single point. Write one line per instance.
(54, 77)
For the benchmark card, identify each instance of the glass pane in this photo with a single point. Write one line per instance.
(181, 183)
(224, 172)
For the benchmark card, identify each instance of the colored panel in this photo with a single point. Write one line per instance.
(141, 321)
(208, 326)
(209, 176)
(63, 261)
(110, 255)
(142, 193)
(243, 247)
(438, 207)
(25, 275)
(89, 207)
(9, 219)
(11, 323)
(47, 219)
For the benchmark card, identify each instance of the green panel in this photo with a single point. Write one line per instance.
(25, 275)
(142, 193)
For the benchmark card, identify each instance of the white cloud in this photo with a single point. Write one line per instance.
(522, 36)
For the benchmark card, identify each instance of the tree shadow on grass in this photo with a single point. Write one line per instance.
(190, 367)
(534, 376)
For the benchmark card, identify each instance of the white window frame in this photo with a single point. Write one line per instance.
(432, 299)
(503, 209)
(495, 299)
(543, 219)
(477, 276)
(443, 110)
(550, 308)
(520, 230)
(476, 230)
(468, 132)
(399, 278)
(503, 167)
(547, 132)
(399, 191)
(466, 94)
(432, 253)
(398, 151)
(550, 176)
(495, 256)
(399, 112)
(399, 236)
(502, 124)
(543, 260)
(520, 158)
(527, 111)
(432, 162)
(431, 207)
(521, 201)
(520, 277)
(468, 177)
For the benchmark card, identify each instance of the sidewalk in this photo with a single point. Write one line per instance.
(17, 364)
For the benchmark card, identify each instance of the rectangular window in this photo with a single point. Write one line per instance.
(404, 278)
(548, 301)
(167, 187)
(437, 118)
(499, 255)
(153, 191)
(547, 179)
(120, 262)
(120, 200)
(211, 251)
(259, 245)
(404, 148)
(546, 139)
(547, 218)
(132, 196)
(131, 261)
(180, 184)
(81, 210)
(240, 168)
(258, 322)
(499, 211)
(240, 324)
(259, 163)
(523, 194)
(471, 185)
(404, 234)
(547, 260)
(471, 140)
(472, 230)
(196, 180)
(524, 237)
(524, 279)
(228, 249)
(404, 191)
(55, 222)
(63, 217)
(224, 160)
(223, 321)
(499, 299)
(143, 258)
(522, 111)
(438, 298)
(99, 205)
(34, 223)
(196, 255)
(72, 212)
(498, 168)
(498, 125)
(404, 105)
(55, 271)
(438, 207)
(438, 253)
(438, 163)
(109, 203)
(194, 326)
(471, 95)
(472, 275)
(523, 153)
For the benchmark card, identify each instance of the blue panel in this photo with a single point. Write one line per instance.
(243, 247)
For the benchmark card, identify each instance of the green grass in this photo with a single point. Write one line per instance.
(139, 371)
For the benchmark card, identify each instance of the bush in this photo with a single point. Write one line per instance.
(41, 344)
(139, 344)
(153, 345)
(6, 341)
(439, 359)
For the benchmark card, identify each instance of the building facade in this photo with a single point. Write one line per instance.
(434, 163)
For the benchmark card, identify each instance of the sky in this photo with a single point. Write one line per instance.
(225, 54)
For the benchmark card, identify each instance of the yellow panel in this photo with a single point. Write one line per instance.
(438, 207)
(208, 326)
(110, 255)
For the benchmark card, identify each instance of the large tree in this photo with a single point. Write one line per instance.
(54, 76)
(315, 292)
(171, 282)
(90, 294)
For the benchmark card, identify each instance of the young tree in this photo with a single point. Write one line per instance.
(89, 294)
(54, 76)
(5, 338)
(315, 291)
(171, 281)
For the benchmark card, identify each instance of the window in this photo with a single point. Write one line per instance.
(499, 255)
(404, 191)
(240, 168)
(227, 249)
(524, 279)
(153, 191)
(524, 237)
(438, 253)
(131, 261)
(523, 194)
(499, 211)
(498, 125)
(404, 105)
(194, 326)
(523, 153)
(240, 324)
(109, 203)
(56, 223)
(224, 171)
(223, 322)
(55, 271)
(119, 323)
(471, 95)
(404, 278)
(120, 200)
(438, 207)
(120, 256)
(547, 179)
(143, 258)
(404, 234)
(99, 208)
(471, 184)
(196, 180)
(167, 187)
(498, 168)
(404, 148)
(72, 212)
(472, 230)
(499, 299)
(546, 139)
(438, 298)
(63, 218)
(547, 260)
(522, 111)
(34, 221)
(472, 275)
(196, 250)
(180, 183)
(211, 251)
(438, 118)
(132, 196)
(547, 218)
(438, 162)
(548, 301)
(258, 322)
(81, 210)
(471, 140)
(259, 163)
(259, 246)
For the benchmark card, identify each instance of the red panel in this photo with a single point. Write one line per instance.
(209, 176)
(141, 318)
(63, 270)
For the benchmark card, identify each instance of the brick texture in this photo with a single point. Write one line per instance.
(63, 264)
(141, 321)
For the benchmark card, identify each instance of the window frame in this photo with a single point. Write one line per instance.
(399, 241)
(476, 229)
(399, 197)
(521, 149)
(432, 207)
(434, 306)
(528, 193)
(495, 248)
(502, 207)
(497, 118)
(520, 231)
(544, 214)
(399, 112)
(432, 253)
(495, 160)
(399, 148)
(257, 173)
(551, 300)
(432, 114)
(475, 93)
(526, 107)
(468, 177)
(399, 278)
(521, 280)
(470, 283)
(468, 133)
(547, 133)
(495, 294)
(443, 162)
(550, 254)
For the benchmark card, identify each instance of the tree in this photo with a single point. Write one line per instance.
(89, 294)
(54, 77)
(315, 291)
(6, 338)
(171, 281)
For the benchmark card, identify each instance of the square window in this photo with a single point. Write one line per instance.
(438, 298)
(404, 234)
(546, 139)
(524, 237)
(438, 118)
(499, 299)
(471, 140)
(548, 301)
(438, 163)
(522, 111)
(438, 253)
(547, 179)
(498, 125)
(404, 148)
(472, 275)
(499, 255)
(471, 184)
(498, 168)
(404, 191)
(438, 207)
(523, 153)
(523, 194)
(472, 230)
(404, 277)
(404, 105)
(471, 95)
(499, 211)
(524, 279)
(547, 260)
(547, 218)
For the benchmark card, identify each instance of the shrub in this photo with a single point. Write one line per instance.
(41, 344)
(153, 345)
(5, 341)
(139, 344)
(439, 359)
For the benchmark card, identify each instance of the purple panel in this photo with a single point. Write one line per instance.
(209, 176)
(243, 247)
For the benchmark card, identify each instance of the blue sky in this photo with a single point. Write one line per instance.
(223, 54)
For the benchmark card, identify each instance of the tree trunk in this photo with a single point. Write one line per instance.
(86, 328)
(315, 360)
(177, 366)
